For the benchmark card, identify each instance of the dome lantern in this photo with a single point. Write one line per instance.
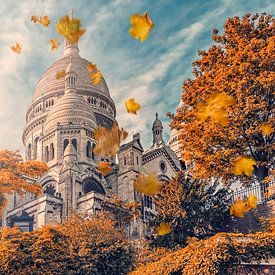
(70, 78)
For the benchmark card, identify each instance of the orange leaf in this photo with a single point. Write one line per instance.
(104, 167)
(45, 21)
(243, 165)
(54, 44)
(163, 229)
(252, 201)
(141, 26)
(60, 74)
(91, 67)
(239, 208)
(17, 48)
(35, 19)
(96, 77)
(149, 185)
(267, 129)
(132, 106)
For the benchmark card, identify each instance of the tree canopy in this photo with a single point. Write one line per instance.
(13, 172)
(226, 129)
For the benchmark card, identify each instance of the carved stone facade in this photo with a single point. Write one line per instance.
(60, 125)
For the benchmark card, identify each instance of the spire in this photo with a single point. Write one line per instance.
(70, 48)
(157, 130)
(70, 78)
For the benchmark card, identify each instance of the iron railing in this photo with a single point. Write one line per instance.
(264, 192)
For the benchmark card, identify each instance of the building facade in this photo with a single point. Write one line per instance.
(60, 125)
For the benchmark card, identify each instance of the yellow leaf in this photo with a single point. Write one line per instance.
(109, 140)
(60, 74)
(45, 21)
(141, 26)
(148, 185)
(163, 229)
(252, 201)
(104, 167)
(54, 44)
(70, 28)
(96, 77)
(243, 165)
(17, 48)
(267, 129)
(35, 19)
(132, 106)
(91, 67)
(239, 208)
(215, 108)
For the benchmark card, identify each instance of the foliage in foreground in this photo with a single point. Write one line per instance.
(216, 255)
(240, 67)
(12, 171)
(191, 209)
(92, 246)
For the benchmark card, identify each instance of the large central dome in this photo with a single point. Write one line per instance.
(49, 84)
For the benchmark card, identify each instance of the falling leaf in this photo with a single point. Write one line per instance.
(60, 74)
(91, 67)
(163, 229)
(132, 106)
(104, 167)
(239, 208)
(96, 77)
(109, 140)
(17, 48)
(35, 19)
(267, 129)
(191, 240)
(54, 44)
(70, 28)
(141, 26)
(148, 185)
(215, 108)
(252, 201)
(243, 165)
(45, 21)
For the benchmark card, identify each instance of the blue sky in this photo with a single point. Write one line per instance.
(152, 72)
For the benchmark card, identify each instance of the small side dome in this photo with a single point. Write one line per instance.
(70, 154)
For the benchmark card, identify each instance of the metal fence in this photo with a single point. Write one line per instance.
(264, 192)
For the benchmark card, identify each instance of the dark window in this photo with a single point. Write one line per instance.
(162, 166)
(74, 143)
(51, 151)
(125, 161)
(89, 150)
(46, 154)
(137, 160)
(90, 185)
(65, 144)
(49, 190)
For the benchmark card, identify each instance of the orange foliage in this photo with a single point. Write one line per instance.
(80, 246)
(12, 171)
(240, 66)
(215, 255)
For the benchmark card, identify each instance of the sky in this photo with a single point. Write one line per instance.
(151, 72)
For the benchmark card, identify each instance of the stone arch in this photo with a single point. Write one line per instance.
(74, 143)
(35, 148)
(65, 144)
(91, 184)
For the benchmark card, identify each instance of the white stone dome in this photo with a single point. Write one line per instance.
(70, 109)
(48, 84)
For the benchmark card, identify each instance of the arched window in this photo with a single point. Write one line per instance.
(35, 148)
(132, 158)
(29, 152)
(51, 151)
(125, 161)
(91, 184)
(50, 190)
(89, 150)
(46, 154)
(52, 101)
(74, 143)
(46, 104)
(65, 144)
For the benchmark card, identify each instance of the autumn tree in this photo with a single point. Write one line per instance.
(90, 245)
(226, 129)
(12, 174)
(190, 209)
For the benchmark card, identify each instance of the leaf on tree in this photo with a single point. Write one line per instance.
(141, 26)
(70, 28)
(54, 44)
(104, 167)
(132, 106)
(108, 140)
(148, 185)
(17, 48)
(243, 165)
